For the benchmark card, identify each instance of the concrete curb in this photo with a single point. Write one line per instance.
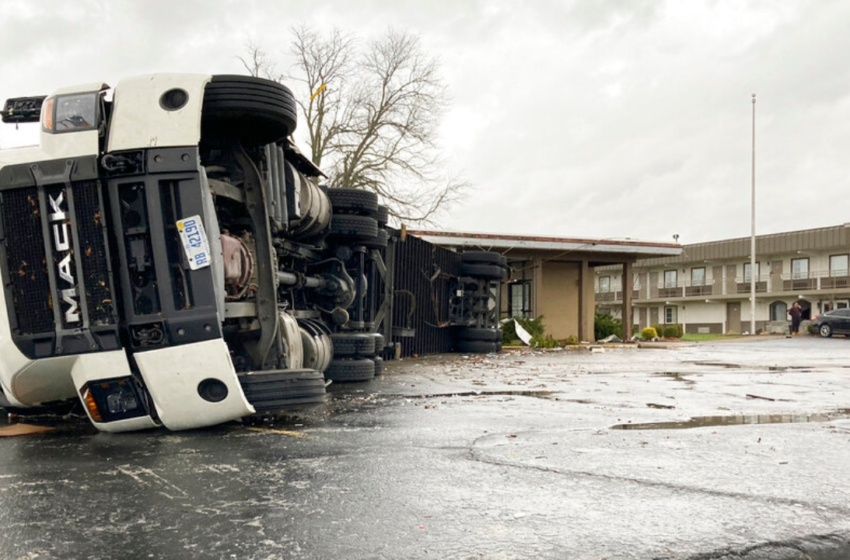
(665, 345)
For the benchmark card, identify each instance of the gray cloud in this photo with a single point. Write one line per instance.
(607, 119)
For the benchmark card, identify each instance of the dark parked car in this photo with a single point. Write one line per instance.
(832, 322)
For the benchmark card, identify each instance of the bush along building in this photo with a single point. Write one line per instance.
(706, 288)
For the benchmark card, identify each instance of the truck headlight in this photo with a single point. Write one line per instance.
(108, 400)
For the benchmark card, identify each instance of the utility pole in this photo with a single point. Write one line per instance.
(753, 233)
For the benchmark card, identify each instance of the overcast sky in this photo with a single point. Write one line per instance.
(588, 118)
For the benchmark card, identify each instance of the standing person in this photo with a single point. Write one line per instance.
(796, 313)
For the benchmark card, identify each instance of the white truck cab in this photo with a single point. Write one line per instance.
(167, 256)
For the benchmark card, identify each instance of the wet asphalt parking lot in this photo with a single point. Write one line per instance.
(734, 450)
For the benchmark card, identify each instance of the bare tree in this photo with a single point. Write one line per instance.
(258, 64)
(372, 112)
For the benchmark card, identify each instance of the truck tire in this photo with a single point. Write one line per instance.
(483, 271)
(380, 241)
(382, 214)
(483, 257)
(353, 344)
(487, 335)
(283, 389)
(350, 370)
(360, 227)
(379, 365)
(354, 201)
(255, 110)
(477, 347)
(380, 342)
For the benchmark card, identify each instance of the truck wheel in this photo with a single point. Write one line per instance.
(283, 389)
(379, 242)
(483, 271)
(483, 257)
(348, 370)
(487, 335)
(361, 227)
(380, 342)
(382, 214)
(353, 344)
(255, 110)
(356, 201)
(477, 347)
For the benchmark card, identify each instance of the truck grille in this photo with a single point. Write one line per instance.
(58, 268)
(95, 259)
(26, 261)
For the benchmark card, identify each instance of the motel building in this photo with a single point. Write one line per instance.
(706, 288)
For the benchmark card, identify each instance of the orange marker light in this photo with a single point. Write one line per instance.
(88, 398)
(47, 114)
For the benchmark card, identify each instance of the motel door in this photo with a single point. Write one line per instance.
(733, 316)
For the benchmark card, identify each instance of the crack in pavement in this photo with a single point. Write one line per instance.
(816, 507)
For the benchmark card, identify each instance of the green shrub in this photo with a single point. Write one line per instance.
(544, 342)
(570, 341)
(534, 327)
(604, 326)
(649, 333)
(509, 333)
(671, 331)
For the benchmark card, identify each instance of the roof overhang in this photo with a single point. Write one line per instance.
(505, 243)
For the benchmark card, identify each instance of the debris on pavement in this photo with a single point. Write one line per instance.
(14, 430)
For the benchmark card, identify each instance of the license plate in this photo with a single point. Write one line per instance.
(194, 240)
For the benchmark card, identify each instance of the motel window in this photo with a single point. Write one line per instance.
(838, 265)
(748, 272)
(519, 299)
(799, 269)
(698, 276)
(670, 315)
(670, 279)
(604, 284)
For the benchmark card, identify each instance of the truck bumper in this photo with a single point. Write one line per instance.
(193, 385)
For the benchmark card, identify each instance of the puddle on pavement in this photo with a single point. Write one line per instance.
(738, 420)
(496, 393)
(676, 377)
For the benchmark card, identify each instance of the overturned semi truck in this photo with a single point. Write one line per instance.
(170, 258)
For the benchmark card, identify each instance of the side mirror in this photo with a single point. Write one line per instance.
(23, 109)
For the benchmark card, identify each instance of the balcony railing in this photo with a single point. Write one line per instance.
(835, 283)
(609, 296)
(742, 284)
(739, 285)
(686, 288)
(817, 280)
